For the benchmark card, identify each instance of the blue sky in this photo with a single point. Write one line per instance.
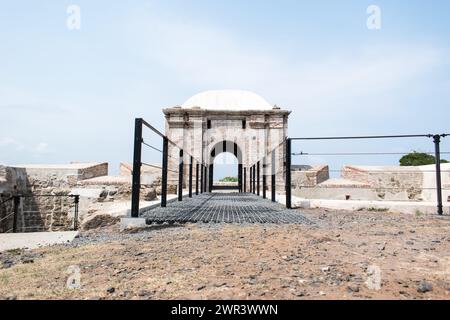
(72, 95)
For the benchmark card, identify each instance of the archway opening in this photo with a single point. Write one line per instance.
(225, 169)
(226, 173)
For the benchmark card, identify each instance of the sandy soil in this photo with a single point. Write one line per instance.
(333, 259)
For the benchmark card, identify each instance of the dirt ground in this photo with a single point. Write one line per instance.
(338, 257)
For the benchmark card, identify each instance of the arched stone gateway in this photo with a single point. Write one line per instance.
(217, 149)
(239, 122)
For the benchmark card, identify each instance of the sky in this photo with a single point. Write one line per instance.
(72, 95)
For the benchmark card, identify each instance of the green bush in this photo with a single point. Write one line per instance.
(418, 159)
(229, 179)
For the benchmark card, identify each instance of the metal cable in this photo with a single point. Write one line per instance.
(359, 153)
(150, 146)
(367, 188)
(4, 218)
(375, 171)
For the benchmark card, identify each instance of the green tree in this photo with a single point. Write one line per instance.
(418, 159)
(229, 179)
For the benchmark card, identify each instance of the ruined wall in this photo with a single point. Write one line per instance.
(310, 177)
(6, 206)
(402, 182)
(45, 202)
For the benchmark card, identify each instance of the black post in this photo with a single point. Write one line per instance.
(196, 178)
(190, 177)
(264, 178)
(258, 164)
(201, 180)
(165, 161)
(240, 177)
(251, 179)
(254, 179)
(437, 141)
(206, 179)
(288, 174)
(211, 177)
(180, 177)
(273, 191)
(245, 180)
(75, 216)
(136, 186)
(16, 203)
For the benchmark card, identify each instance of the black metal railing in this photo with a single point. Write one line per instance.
(266, 167)
(436, 138)
(200, 167)
(27, 213)
(255, 169)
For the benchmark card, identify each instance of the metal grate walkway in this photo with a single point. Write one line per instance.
(225, 208)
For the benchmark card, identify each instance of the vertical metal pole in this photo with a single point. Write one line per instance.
(196, 178)
(190, 177)
(201, 180)
(264, 177)
(180, 176)
(245, 180)
(165, 163)
(211, 177)
(250, 180)
(254, 179)
(75, 216)
(258, 164)
(16, 203)
(136, 185)
(205, 177)
(288, 174)
(273, 191)
(240, 177)
(437, 141)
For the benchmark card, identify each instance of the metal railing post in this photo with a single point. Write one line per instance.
(273, 191)
(240, 177)
(250, 180)
(136, 185)
(258, 165)
(190, 177)
(201, 179)
(205, 177)
(16, 203)
(254, 179)
(196, 178)
(288, 174)
(245, 180)
(180, 176)
(165, 163)
(437, 141)
(75, 216)
(210, 179)
(264, 178)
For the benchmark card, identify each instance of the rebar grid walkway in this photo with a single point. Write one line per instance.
(225, 208)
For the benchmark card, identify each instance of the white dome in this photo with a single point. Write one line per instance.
(227, 100)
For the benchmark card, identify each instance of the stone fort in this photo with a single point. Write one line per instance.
(234, 121)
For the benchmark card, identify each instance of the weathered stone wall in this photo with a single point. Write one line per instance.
(388, 181)
(45, 202)
(310, 177)
(6, 204)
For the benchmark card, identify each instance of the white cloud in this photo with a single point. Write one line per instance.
(41, 148)
(208, 57)
(8, 142)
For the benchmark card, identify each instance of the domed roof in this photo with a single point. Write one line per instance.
(234, 100)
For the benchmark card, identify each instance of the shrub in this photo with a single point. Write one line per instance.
(418, 159)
